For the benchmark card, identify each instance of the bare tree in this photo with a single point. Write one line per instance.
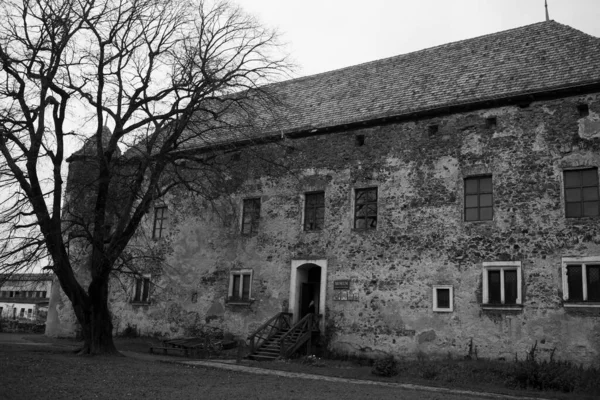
(169, 76)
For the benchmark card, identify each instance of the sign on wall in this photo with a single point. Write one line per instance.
(342, 284)
(341, 291)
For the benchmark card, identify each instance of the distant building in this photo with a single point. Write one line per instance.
(25, 296)
(434, 199)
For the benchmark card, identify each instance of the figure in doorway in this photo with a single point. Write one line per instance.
(311, 307)
(311, 310)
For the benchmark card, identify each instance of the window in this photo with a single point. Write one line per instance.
(502, 284)
(29, 313)
(583, 110)
(365, 209)
(160, 222)
(581, 193)
(478, 198)
(142, 290)
(240, 285)
(443, 298)
(250, 216)
(581, 280)
(433, 130)
(22, 313)
(314, 211)
(359, 140)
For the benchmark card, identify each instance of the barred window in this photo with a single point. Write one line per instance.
(250, 216)
(581, 193)
(314, 211)
(160, 222)
(365, 209)
(478, 199)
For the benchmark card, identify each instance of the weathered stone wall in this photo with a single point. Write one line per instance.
(421, 239)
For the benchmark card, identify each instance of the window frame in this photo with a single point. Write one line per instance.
(479, 193)
(254, 217)
(141, 289)
(436, 307)
(162, 221)
(314, 209)
(581, 187)
(501, 266)
(584, 262)
(356, 206)
(241, 273)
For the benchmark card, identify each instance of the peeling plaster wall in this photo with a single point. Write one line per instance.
(420, 241)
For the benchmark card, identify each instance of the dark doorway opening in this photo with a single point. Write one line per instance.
(310, 290)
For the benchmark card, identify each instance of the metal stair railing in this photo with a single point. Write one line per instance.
(267, 330)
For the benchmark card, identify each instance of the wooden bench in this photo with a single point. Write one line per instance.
(188, 347)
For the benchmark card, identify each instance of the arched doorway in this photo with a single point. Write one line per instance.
(308, 283)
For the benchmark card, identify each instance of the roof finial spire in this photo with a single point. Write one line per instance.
(546, 6)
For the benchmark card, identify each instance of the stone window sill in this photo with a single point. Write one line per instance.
(364, 231)
(239, 302)
(581, 220)
(502, 307)
(140, 303)
(479, 222)
(582, 305)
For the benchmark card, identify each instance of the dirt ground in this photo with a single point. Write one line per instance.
(40, 368)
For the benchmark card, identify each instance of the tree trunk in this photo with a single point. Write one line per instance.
(97, 325)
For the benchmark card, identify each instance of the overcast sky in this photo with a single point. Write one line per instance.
(323, 35)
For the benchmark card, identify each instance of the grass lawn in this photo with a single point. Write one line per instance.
(55, 372)
(48, 368)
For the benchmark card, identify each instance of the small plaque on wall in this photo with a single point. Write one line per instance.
(342, 284)
(344, 295)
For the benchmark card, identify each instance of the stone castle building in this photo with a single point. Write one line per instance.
(429, 200)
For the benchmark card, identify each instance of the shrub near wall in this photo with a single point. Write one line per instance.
(21, 326)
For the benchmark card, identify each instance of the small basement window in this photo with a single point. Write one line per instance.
(443, 298)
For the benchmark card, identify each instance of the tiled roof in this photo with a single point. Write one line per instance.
(531, 59)
(24, 277)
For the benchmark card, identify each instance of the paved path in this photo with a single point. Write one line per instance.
(230, 365)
